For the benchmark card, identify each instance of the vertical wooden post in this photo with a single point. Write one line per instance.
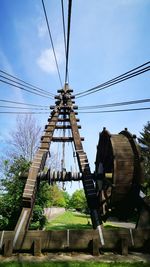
(8, 248)
(37, 247)
(124, 246)
(95, 247)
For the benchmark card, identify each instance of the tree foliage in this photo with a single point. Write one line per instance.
(144, 142)
(67, 199)
(11, 199)
(56, 197)
(78, 201)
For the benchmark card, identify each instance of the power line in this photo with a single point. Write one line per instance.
(128, 75)
(18, 79)
(64, 30)
(115, 110)
(64, 33)
(119, 81)
(103, 84)
(116, 104)
(26, 86)
(83, 112)
(22, 88)
(17, 112)
(23, 108)
(68, 37)
(21, 103)
(51, 40)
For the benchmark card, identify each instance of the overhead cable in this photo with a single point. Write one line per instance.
(68, 38)
(17, 112)
(23, 107)
(27, 90)
(18, 79)
(115, 104)
(64, 28)
(21, 103)
(26, 86)
(128, 75)
(52, 44)
(115, 110)
(83, 112)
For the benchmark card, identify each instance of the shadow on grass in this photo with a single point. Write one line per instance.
(111, 227)
(82, 215)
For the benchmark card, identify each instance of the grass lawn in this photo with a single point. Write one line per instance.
(72, 264)
(72, 220)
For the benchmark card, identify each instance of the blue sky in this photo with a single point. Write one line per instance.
(108, 38)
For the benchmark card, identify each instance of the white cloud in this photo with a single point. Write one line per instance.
(42, 30)
(46, 60)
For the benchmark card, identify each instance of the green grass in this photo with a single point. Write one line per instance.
(72, 264)
(73, 220)
(70, 220)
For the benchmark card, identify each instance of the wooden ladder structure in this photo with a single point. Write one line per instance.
(64, 106)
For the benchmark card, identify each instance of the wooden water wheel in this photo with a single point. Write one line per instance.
(118, 173)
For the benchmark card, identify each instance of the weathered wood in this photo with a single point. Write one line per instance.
(95, 247)
(66, 120)
(118, 154)
(37, 247)
(8, 248)
(62, 90)
(64, 139)
(66, 126)
(75, 240)
(124, 246)
(66, 113)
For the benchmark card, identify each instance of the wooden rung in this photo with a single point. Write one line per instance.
(68, 107)
(46, 136)
(58, 96)
(65, 120)
(64, 139)
(52, 120)
(65, 127)
(44, 145)
(62, 90)
(67, 113)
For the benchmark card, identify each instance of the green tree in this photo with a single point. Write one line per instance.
(144, 142)
(56, 197)
(67, 199)
(78, 201)
(11, 199)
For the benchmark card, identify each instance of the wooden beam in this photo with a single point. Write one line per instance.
(64, 139)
